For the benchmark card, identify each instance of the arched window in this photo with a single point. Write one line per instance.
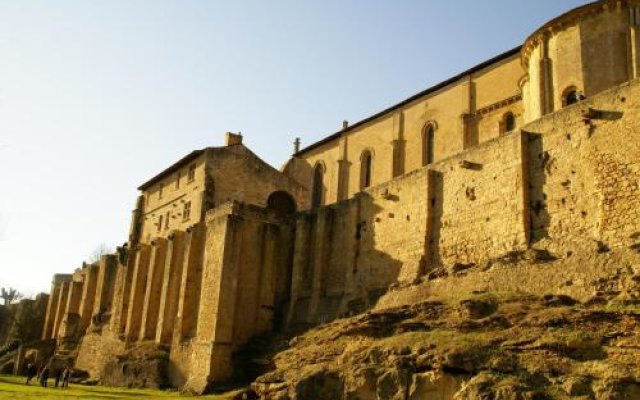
(571, 96)
(317, 186)
(366, 169)
(428, 143)
(509, 122)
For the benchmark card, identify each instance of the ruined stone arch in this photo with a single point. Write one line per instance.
(429, 142)
(281, 202)
(317, 184)
(366, 168)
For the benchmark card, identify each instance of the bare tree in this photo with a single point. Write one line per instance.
(98, 252)
(10, 295)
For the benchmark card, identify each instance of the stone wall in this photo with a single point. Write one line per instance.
(96, 350)
(465, 208)
(583, 166)
(347, 253)
(23, 320)
(239, 175)
(245, 279)
(479, 202)
(585, 172)
(568, 183)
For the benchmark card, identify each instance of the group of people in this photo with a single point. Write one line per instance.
(42, 374)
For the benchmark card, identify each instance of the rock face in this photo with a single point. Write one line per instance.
(481, 346)
(141, 367)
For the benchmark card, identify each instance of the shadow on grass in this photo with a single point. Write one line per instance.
(15, 388)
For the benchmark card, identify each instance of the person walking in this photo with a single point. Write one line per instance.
(44, 376)
(57, 376)
(31, 372)
(66, 374)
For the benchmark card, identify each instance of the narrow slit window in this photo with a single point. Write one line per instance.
(366, 167)
(192, 173)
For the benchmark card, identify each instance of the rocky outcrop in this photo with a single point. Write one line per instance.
(484, 345)
(143, 366)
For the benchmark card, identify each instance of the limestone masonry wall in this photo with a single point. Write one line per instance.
(347, 253)
(244, 283)
(479, 202)
(585, 172)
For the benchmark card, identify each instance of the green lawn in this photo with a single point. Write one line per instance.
(12, 387)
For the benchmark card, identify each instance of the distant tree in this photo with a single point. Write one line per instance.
(98, 252)
(10, 295)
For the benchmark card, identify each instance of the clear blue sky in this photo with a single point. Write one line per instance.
(96, 97)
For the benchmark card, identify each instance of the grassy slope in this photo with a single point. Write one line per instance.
(14, 388)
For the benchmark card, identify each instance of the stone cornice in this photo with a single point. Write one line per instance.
(499, 104)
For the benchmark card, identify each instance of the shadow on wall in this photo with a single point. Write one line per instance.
(541, 164)
(434, 221)
(281, 202)
(345, 258)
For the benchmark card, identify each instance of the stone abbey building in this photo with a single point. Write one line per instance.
(539, 146)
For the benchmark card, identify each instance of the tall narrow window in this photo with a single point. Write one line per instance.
(160, 190)
(186, 210)
(159, 223)
(166, 220)
(178, 176)
(317, 186)
(192, 173)
(366, 169)
(428, 143)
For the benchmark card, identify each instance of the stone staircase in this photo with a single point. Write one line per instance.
(65, 354)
